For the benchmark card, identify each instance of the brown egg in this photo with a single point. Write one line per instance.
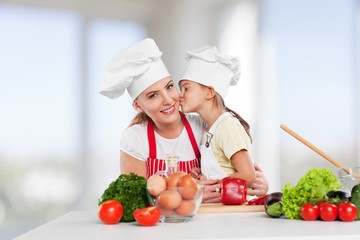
(187, 207)
(174, 178)
(166, 212)
(169, 199)
(156, 185)
(187, 187)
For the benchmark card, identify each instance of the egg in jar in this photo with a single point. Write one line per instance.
(187, 187)
(155, 185)
(169, 199)
(187, 207)
(173, 179)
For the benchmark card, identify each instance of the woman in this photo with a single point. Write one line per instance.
(159, 128)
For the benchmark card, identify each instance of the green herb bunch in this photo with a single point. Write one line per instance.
(130, 191)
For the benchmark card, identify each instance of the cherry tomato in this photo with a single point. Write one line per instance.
(328, 212)
(309, 212)
(110, 211)
(148, 216)
(319, 203)
(347, 212)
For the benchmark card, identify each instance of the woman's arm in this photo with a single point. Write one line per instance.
(261, 186)
(129, 164)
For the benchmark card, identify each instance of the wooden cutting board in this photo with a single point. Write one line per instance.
(221, 208)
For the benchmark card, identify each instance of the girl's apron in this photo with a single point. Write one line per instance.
(210, 167)
(154, 165)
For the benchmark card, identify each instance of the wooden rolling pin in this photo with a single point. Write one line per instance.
(315, 149)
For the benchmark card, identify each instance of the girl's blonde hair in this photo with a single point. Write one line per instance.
(220, 102)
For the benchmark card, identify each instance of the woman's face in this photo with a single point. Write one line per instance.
(160, 101)
(191, 96)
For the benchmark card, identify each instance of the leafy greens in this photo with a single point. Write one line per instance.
(130, 191)
(312, 187)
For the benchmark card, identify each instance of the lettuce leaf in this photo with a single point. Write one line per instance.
(312, 187)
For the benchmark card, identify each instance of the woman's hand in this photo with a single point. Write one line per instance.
(261, 186)
(211, 191)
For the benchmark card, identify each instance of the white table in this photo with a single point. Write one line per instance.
(85, 225)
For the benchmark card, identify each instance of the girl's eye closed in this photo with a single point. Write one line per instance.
(183, 88)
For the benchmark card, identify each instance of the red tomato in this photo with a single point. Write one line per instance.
(148, 216)
(309, 212)
(110, 211)
(347, 212)
(319, 203)
(258, 201)
(328, 212)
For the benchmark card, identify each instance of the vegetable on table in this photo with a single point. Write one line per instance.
(148, 216)
(309, 212)
(259, 200)
(312, 187)
(110, 211)
(130, 191)
(337, 197)
(355, 198)
(347, 212)
(328, 211)
(273, 205)
(233, 191)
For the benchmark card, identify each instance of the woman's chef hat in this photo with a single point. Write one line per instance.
(210, 68)
(135, 69)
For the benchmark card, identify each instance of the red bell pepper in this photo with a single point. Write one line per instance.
(233, 191)
(258, 201)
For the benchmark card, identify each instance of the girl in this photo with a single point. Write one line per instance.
(226, 146)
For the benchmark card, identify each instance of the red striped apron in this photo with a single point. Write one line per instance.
(154, 165)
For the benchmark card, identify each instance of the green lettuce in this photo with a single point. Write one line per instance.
(312, 187)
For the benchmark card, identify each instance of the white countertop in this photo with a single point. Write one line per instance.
(247, 225)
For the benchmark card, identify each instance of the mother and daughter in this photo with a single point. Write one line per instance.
(216, 135)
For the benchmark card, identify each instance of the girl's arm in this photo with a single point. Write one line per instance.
(129, 164)
(244, 166)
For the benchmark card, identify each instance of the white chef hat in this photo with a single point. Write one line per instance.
(210, 68)
(135, 69)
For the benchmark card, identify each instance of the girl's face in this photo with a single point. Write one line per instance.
(192, 95)
(160, 101)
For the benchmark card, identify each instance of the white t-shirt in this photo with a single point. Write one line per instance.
(134, 141)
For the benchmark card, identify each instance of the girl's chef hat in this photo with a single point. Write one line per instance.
(135, 69)
(210, 68)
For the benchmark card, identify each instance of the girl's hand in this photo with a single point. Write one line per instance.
(261, 186)
(196, 173)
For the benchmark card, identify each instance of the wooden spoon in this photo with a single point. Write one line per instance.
(317, 150)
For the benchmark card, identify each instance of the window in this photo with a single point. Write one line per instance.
(55, 139)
